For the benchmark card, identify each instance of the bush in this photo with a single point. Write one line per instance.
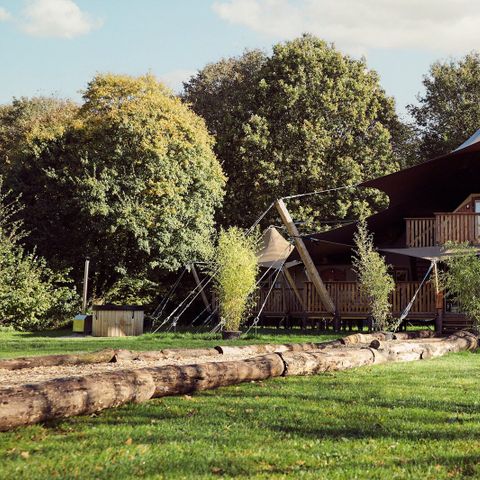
(235, 280)
(373, 274)
(32, 296)
(462, 278)
(132, 291)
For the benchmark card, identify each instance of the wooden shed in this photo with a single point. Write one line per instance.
(117, 320)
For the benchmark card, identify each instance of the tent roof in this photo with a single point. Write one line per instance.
(474, 139)
(275, 249)
(427, 253)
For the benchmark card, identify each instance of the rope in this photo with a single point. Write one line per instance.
(407, 309)
(257, 318)
(328, 190)
(161, 306)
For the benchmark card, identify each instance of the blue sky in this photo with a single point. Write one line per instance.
(56, 46)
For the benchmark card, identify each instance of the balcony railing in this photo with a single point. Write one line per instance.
(442, 228)
(347, 298)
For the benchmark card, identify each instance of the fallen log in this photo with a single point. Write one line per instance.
(165, 354)
(410, 351)
(310, 363)
(365, 337)
(65, 397)
(101, 356)
(415, 334)
(27, 404)
(275, 348)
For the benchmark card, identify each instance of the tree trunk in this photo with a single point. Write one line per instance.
(101, 356)
(65, 397)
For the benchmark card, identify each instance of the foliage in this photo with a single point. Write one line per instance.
(28, 126)
(373, 274)
(302, 119)
(236, 268)
(32, 296)
(461, 279)
(132, 291)
(134, 181)
(385, 414)
(449, 110)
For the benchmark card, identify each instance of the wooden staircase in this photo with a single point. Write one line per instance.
(453, 322)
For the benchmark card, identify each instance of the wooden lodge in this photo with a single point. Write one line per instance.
(432, 203)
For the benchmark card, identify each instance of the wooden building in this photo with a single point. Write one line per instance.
(429, 204)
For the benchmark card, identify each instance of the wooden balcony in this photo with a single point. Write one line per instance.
(442, 228)
(348, 300)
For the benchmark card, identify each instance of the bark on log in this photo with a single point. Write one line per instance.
(102, 356)
(310, 363)
(365, 337)
(65, 397)
(410, 351)
(273, 348)
(412, 335)
(165, 354)
(27, 404)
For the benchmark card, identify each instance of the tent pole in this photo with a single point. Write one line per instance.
(439, 303)
(308, 262)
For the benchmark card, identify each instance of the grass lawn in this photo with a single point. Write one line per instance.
(414, 420)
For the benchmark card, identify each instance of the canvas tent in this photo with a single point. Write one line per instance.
(275, 249)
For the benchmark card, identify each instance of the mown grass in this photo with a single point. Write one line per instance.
(396, 421)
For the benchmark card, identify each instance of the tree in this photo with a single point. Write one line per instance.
(236, 269)
(28, 126)
(449, 110)
(305, 118)
(132, 182)
(32, 296)
(373, 274)
(461, 279)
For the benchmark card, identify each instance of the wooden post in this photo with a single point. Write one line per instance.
(293, 286)
(307, 261)
(202, 291)
(439, 301)
(85, 286)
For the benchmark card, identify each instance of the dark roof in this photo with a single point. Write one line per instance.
(436, 185)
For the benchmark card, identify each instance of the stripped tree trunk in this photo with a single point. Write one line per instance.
(66, 397)
(102, 356)
(27, 404)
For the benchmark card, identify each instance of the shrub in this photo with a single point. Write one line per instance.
(373, 274)
(235, 280)
(462, 278)
(32, 296)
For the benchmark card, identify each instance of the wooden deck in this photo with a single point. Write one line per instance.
(443, 227)
(348, 299)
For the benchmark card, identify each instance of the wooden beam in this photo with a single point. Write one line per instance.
(306, 259)
(293, 286)
(202, 291)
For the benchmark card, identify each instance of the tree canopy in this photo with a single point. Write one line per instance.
(131, 181)
(449, 110)
(304, 118)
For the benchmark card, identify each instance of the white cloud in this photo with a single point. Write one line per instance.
(175, 79)
(56, 18)
(4, 15)
(446, 26)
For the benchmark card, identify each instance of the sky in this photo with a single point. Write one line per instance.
(56, 46)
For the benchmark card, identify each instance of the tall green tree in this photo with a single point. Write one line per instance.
(448, 112)
(304, 118)
(132, 182)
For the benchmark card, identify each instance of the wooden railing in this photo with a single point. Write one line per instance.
(347, 298)
(444, 227)
(457, 227)
(420, 232)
